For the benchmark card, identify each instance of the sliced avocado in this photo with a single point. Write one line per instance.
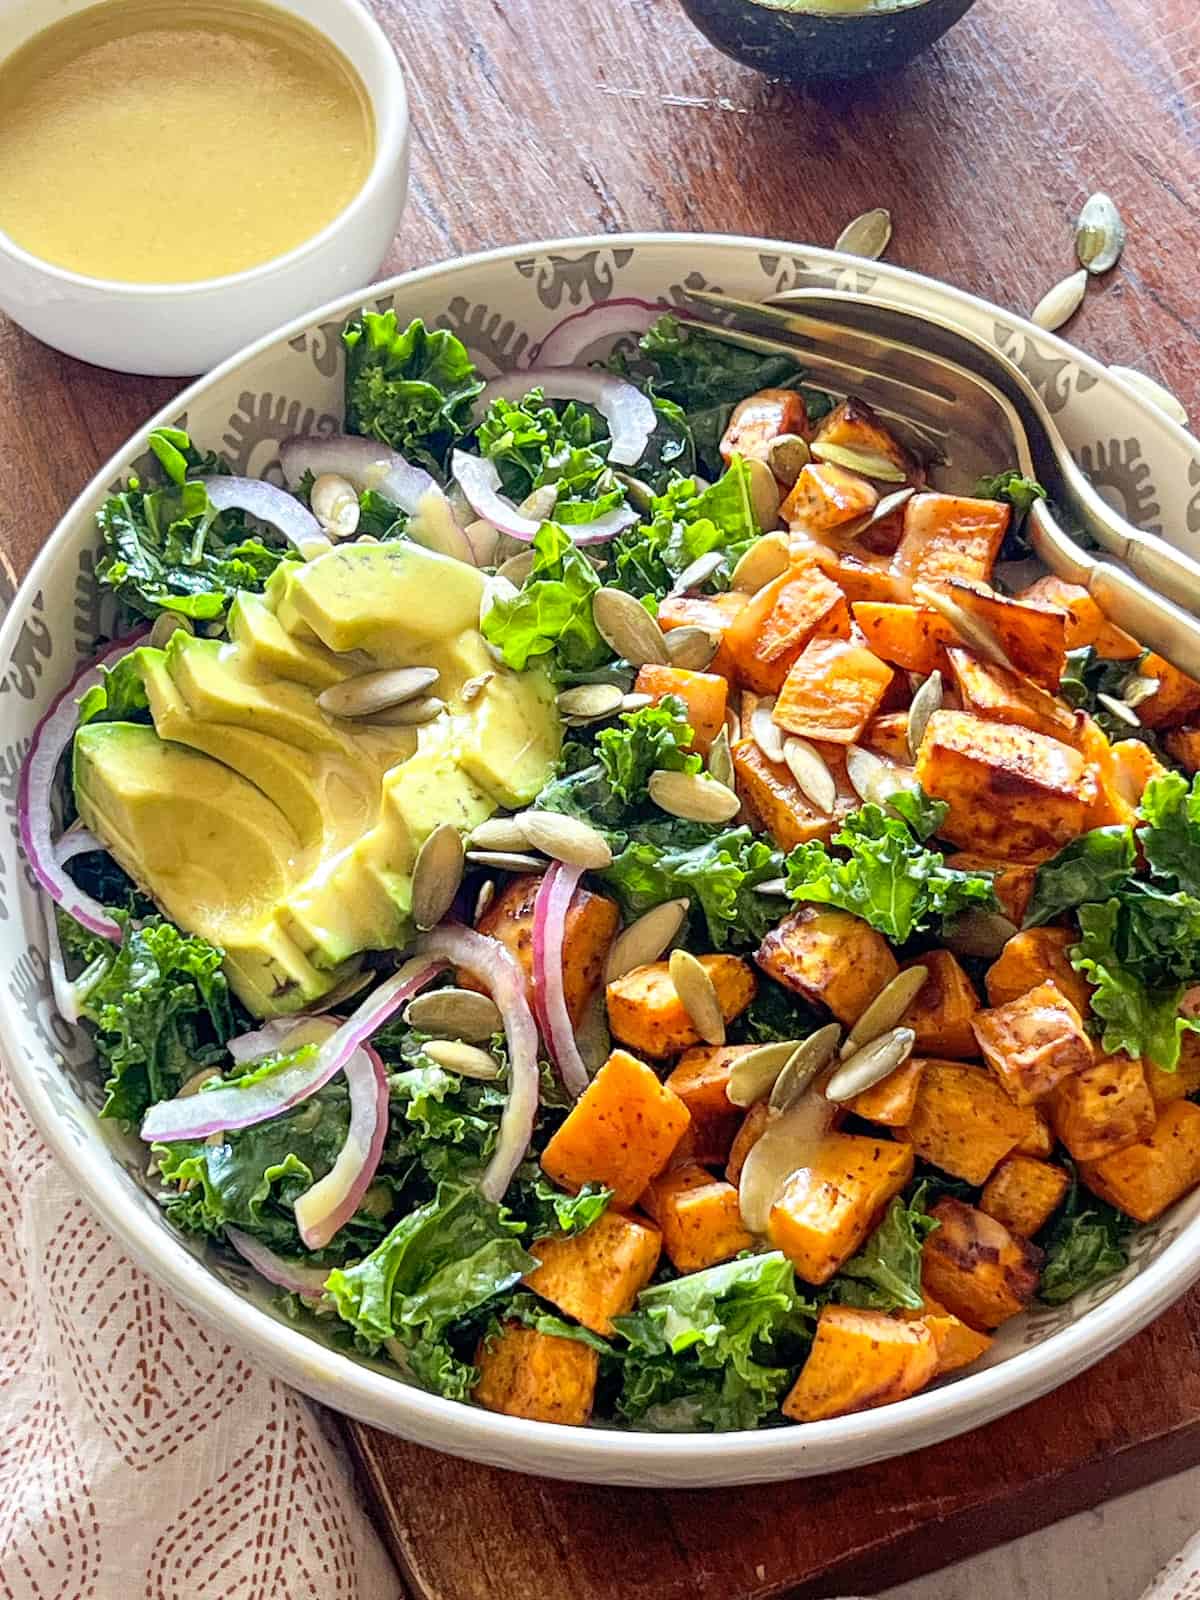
(511, 739)
(214, 852)
(265, 641)
(220, 685)
(387, 599)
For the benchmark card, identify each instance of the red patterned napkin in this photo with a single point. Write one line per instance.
(142, 1458)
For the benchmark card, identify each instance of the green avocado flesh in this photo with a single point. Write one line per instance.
(288, 836)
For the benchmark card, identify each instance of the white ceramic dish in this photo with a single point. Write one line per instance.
(175, 329)
(501, 303)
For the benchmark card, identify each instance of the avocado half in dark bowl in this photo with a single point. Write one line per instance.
(807, 40)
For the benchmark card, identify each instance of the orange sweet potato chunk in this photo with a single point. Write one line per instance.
(714, 612)
(1033, 956)
(859, 1360)
(957, 1344)
(945, 1005)
(1033, 637)
(775, 625)
(963, 1122)
(1086, 623)
(760, 418)
(1024, 1194)
(774, 802)
(830, 957)
(1184, 1081)
(891, 1102)
(1034, 1042)
(621, 1132)
(951, 536)
(1103, 1109)
(539, 1376)
(705, 694)
(976, 1268)
(596, 1275)
(1145, 1178)
(855, 426)
(861, 574)
(992, 691)
(699, 1217)
(832, 691)
(1176, 700)
(646, 1013)
(700, 1079)
(829, 1205)
(1184, 745)
(908, 636)
(887, 735)
(747, 1136)
(826, 497)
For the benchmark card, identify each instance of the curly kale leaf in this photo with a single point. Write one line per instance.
(410, 388)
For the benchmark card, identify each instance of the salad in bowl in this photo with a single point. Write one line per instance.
(619, 893)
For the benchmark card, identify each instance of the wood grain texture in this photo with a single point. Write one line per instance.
(533, 120)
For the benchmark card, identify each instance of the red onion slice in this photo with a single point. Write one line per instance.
(276, 507)
(549, 932)
(365, 462)
(608, 319)
(76, 841)
(325, 1208)
(35, 790)
(629, 413)
(294, 1276)
(231, 1107)
(491, 963)
(264, 1041)
(479, 480)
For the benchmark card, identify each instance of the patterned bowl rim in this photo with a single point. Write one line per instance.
(594, 1454)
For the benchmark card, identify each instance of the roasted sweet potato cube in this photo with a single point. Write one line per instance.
(860, 1359)
(1011, 792)
(911, 637)
(1103, 1109)
(592, 921)
(951, 536)
(773, 800)
(891, 1101)
(744, 1140)
(1184, 745)
(963, 1121)
(859, 573)
(773, 627)
(646, 1013)
(760, 418)
(621, 1132)
(539, 1376)
(1012, 880)
(700, 1079)
(832, 691)
(825, 497)
(1033, 1042)
(992, 691)
(941, 1014)
(596, 1275)
(1033, 637)
(1184, 1081)
(1038, 1140)
(1176, 700)
(854, 426)
(705, 694)
(1086, 623)
(1145, 1178)
(828, 1206)
(957, 1344)
(1024, 1194)
(1113, 803)
(831, 958)
(1034, 956)
(887, 735)
(699, 1217)
(976, 1268)
(715, 612)
(1135, 765)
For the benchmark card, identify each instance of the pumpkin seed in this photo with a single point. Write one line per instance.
(590, 702)
(1099, 234)
(767, 558)
(870, 1065)
(437, 875)
(887, 1008)
(691, 647)
(753, 1076)
(592, 1035)
(498, 833)
(507, 860)
(785, 1144)
(409, 715)
(765, 731)
(720, 762)
(1166, 402)
(455, 1014)
(698, 996)
(1059, 305)
(517, 568)
(645, 940)
(468, 1060)
(566, 839)
(697, 573)
(628, 628)
(484, 540)
(636, 702)
(803, 1065)
(640, 495)
(978, 933)
(1119, 708)
(765, 498)
(925, 702)
(811, 772)
(693, 797)
(787, 456)
(870, 463)
(474, 687)
(973, 631)
(883, 508)
(771, 886)
(1139, 689)
(483, 900)
(867, 774)
(166, 624)
(333, 500)
(867, 235)
(372, 692)
(733, 726)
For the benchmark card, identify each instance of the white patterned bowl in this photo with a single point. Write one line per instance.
(501, 303)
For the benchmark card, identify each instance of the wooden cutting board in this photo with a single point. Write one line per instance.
(462, 1532)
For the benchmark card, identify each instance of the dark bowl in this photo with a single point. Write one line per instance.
(789, 40)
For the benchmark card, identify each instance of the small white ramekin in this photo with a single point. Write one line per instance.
(177, 329)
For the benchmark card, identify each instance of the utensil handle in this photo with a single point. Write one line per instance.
(1167, 570)
(1156, 621)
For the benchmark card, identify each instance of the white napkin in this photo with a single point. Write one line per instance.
(141, 1458)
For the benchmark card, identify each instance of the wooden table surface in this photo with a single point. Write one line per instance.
(532, 119)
